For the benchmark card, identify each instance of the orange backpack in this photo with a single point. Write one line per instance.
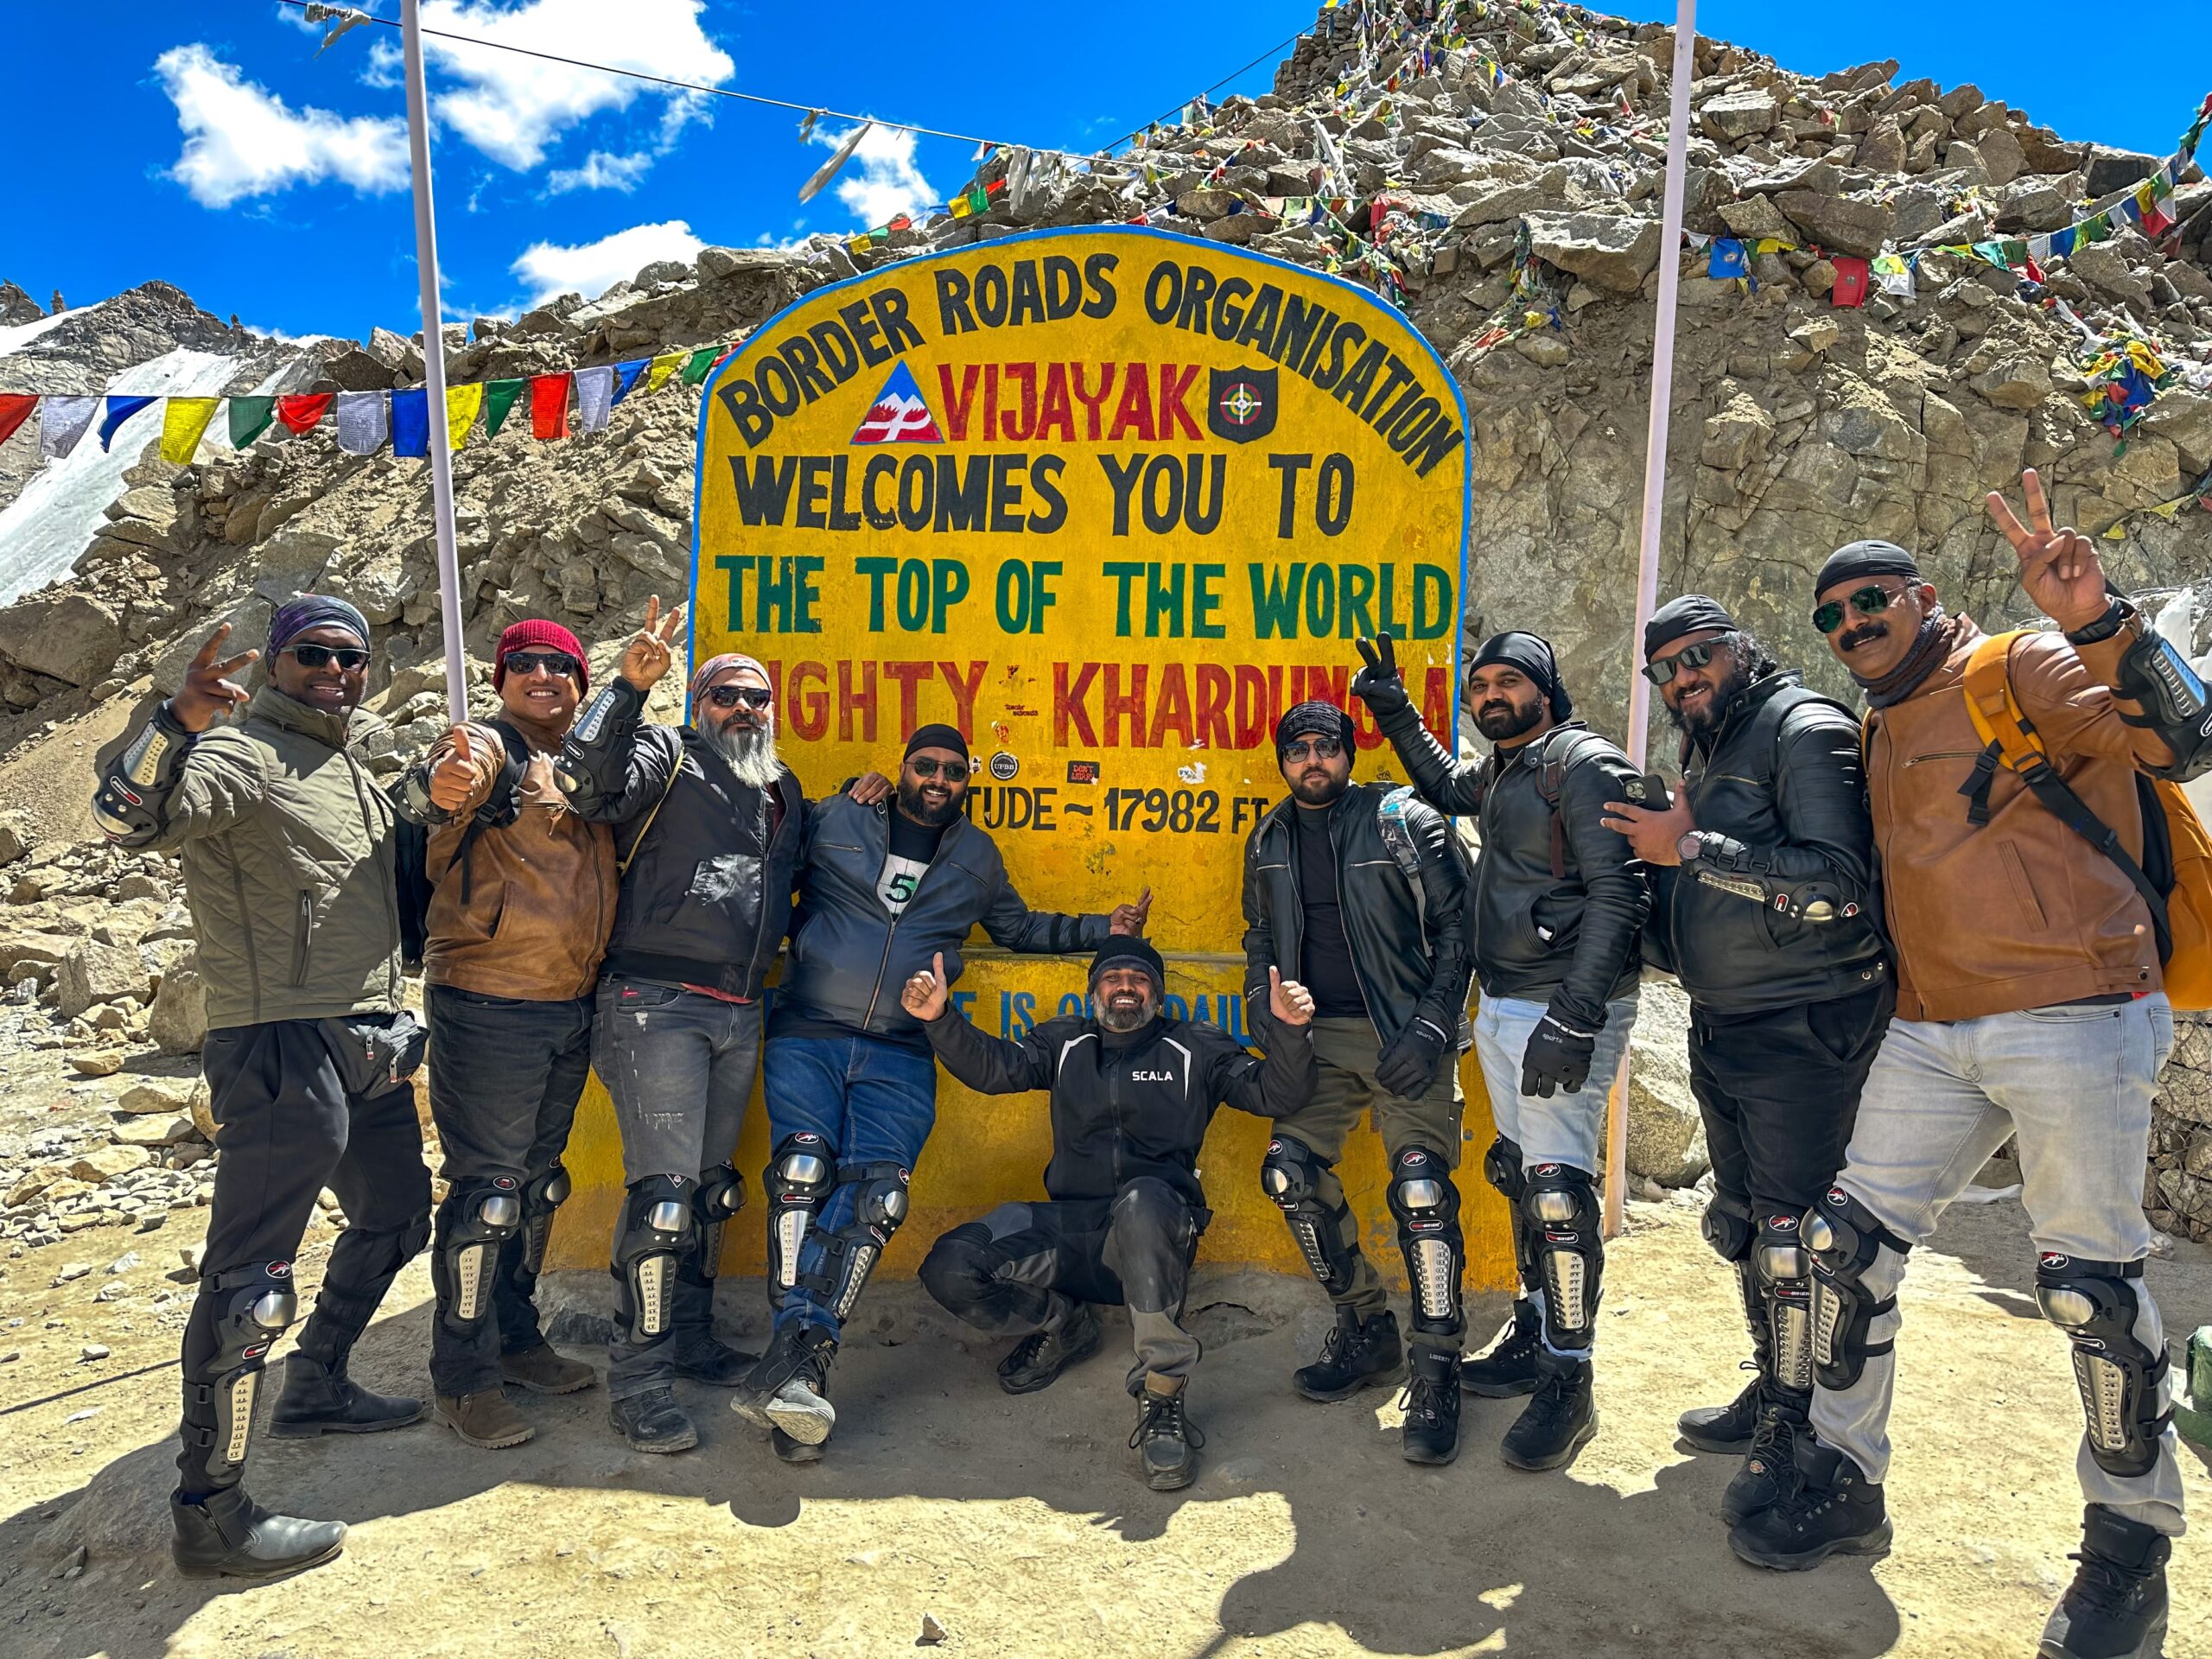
(2174, 877)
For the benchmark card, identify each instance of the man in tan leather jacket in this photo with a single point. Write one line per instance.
(522, 897)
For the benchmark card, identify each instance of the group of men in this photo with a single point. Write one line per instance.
(1897, 955)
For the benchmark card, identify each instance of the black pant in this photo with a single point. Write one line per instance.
(506, 1076)
(286, 1128)
(1779, 1092)
(1029, 1267)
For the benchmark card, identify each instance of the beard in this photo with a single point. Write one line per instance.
(1318, 790)
(1501, 722)
(1707, 719)
(750, 751)
(1121, 1022)
(913, 804)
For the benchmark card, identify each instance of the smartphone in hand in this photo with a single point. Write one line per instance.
(1650, 791)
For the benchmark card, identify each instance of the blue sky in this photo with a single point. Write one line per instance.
(209, 144)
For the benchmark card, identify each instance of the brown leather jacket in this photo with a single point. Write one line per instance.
(2021, 912)
(541, 890)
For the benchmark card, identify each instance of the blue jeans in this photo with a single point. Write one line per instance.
(1567, 1129)
(874, 1101)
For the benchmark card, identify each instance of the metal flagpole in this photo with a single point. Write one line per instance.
(434, 361)
(1654, 498)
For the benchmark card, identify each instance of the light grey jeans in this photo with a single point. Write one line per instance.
(2074, 1084)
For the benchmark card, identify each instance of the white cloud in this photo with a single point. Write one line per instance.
(600, 171)
(241, 140)
(591, 268)
(881, 181)
(512, 107)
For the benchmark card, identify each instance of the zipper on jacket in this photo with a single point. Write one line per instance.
(252, 957)
(1336, 875)
(302, 925)
(912, 899)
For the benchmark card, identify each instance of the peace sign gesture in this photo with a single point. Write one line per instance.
(208, 693)
(651, 650)
(2059, 569)
(1379, 684)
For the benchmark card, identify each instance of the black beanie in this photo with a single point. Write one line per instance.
(1532, 655)
(1314, 719)
(1867, 559)
(938, 737)
(1128, 950)
(1691, 614)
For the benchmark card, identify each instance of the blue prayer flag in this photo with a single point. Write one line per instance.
(120, 410)
(410, 423)
(625, 376)
(1727, 259)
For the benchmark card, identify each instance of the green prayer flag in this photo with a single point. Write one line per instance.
(250, 418)
(696, 365)
(499, 397)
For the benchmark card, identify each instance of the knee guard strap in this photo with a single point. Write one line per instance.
(1784, 1267)
(2096, 1303)
(1426, 1206)
(802, 1173)
(1502, 1169)
(542, 1194)
(656, 1228)
(477, 1217)
(1565, 1227)
(252, 1307)
(721, 1195)
(851, 1252)
(1728, 1226)
(1844, 1237)
(1291, 1176)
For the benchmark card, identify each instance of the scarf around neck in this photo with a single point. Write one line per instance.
(1938, 633)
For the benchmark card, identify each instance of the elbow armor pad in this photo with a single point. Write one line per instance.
(128, 803)
(2174, 705)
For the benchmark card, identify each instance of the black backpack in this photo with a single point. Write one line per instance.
(411, 848)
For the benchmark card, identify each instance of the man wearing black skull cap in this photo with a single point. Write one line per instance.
(1360, 892)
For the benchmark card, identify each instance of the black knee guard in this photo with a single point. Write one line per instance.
(1728, 1227)
(1784, 1267)
(247, 1309)
(802, 1173)
(850, 1252)
(2095, 1303)
(1291, 1176)
(1426, 1206)
(1565, 1223)
(542, 1194)
(477, 1217)
(1844, 1237)
(1502, 1169)
(721, 1195)
(655, 1230)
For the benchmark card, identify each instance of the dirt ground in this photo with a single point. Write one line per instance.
(1014, 1524)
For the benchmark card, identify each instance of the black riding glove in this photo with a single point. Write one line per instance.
(1558, 1057)
(1408, 1066)
(1379, 685)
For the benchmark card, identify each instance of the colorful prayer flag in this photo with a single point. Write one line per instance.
(499, 397)
(461, 404)
(1726, 259)
(548, 404)
(1850, 280)
(625, 376)
(65, 421)
(363, 422)
(410, 422)
(595, 396)
(301, 411)
(120, 410)
(663, 365)
(184, 421)
(250, 418)
(15, 409)
(696, 365)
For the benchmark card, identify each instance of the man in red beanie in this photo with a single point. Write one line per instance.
(523, 895)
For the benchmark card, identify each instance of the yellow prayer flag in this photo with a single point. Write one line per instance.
(182, 422)
(663, 365)
(462, 404)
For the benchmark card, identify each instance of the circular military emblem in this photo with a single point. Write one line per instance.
(1241, 404)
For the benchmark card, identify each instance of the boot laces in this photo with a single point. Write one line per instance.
(1161, 1417)
(1423, 1397)
(1028, 1349)
(2103, 1584)
(1555, 1397)
(1774, 1438)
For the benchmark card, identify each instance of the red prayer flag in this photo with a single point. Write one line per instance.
(548, 405)
(301, 411)
(15, 409)
(1850, 280)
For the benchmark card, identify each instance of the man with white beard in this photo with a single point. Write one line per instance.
(708, 824)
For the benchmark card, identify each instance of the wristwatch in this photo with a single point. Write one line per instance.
(1690, 846)
(2117, 616)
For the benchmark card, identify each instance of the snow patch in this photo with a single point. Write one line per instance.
(18, 335)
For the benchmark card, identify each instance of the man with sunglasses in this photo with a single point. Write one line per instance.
(2029, 1004)
(1360, 892)
(522, 897)
(1558, 902)
(1765, 906)
(287, 847)
(886, 887)
(707, 821)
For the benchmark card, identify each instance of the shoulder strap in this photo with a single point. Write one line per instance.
(1559, 750)
(622, 866)
(500, 808)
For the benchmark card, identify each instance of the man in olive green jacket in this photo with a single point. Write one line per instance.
(287, 846)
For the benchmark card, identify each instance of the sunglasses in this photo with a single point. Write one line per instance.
(1321, 748)
(1660, 670)
(1869, 600)
(351, 658)
(948, 769)
(557, 663)
(728, 696)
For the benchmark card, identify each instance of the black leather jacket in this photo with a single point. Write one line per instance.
(849, 959)
(1568, 940)
(1408, 939)
(1782, 903)
(1128, 1105)
(708, 893)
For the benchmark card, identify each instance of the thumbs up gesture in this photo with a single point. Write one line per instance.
(925, 995)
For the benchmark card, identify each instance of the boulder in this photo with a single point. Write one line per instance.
(1882, 148)
(2016, 380)
(70, 637)
(177, 1022)
(2111, 170)
(1839, 224)
(92, 973)
(155, 1133)
(2105, 270)
(1755, 217)
(104, 1164)
(2001, 155)
(155, 1095)
(1608, 252)
(1666, 1133)
(1737, 115)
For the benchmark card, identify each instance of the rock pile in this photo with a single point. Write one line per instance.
(2177, 1189)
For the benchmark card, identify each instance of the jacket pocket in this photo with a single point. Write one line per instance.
(302, 934)
(2023, 893)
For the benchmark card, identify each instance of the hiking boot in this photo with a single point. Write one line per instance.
(1509, 1368)
(1356, 1354)
(1723, 1428)
(1039, 1359)
(789, 1387)
(486, 1420)
(1831, 1510)
(542, 1370)
(653, 1421)
(227, 1534)
(791, 1450)
(704, 1359)
(1431, 1402)
(2116, 1606)
(1165, 1440)
(1559, 1419)
(318, 1400)
(1769, 1470)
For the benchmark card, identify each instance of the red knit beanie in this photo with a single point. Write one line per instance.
(537, 633)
